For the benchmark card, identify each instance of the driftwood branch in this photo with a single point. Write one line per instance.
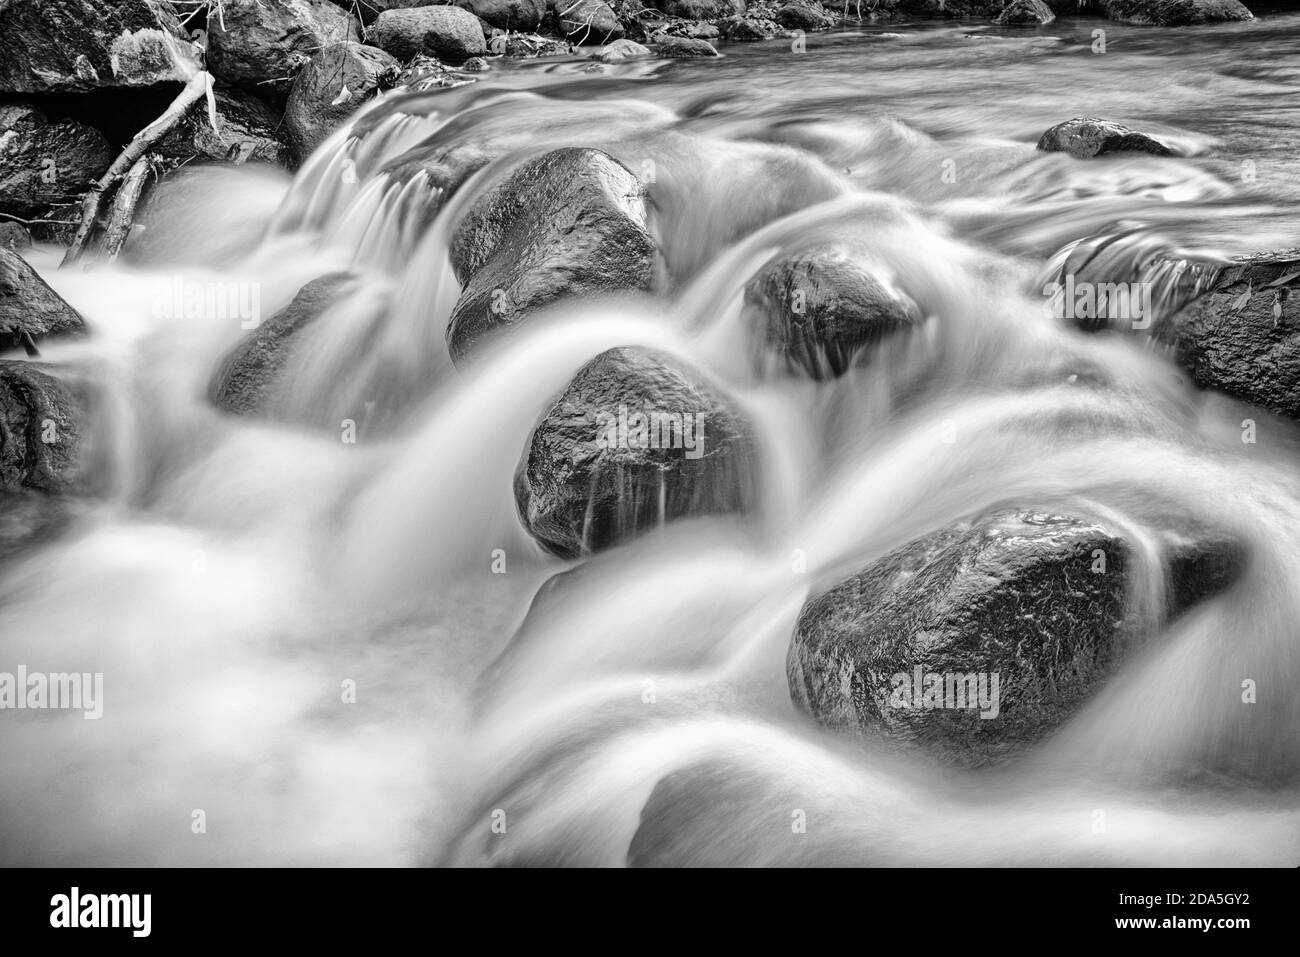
(91, 204)
(122, 216)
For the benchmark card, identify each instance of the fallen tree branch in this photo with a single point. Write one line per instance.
(122, 216)
(195, 90)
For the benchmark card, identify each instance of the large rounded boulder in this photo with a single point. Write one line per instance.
(262, 44)
(572, 222)
(816, 310)
(448, 33)
(330, 88)
(985, 636)
(1175, 13)
(29, 309)
(45, 161)
(1087, 136)
(635, 441)
(70, 46)
(1242, 336)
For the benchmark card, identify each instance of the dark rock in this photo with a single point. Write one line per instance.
(747, 29)
(14, 237)
(476, 65)
(621, 50)
(702, 9)
(369, 10)
(569, 223)
(1088, 136)
(1025, 12)
(688, 29)
(796, 16)
(1015, 595)
(248, 131)
(586, 21)
(526, 46)
(448, 33)
(40, 430)
(576, 494)
(1175, 13)
(683, 48)
(249, 378)
(44, 162)
(62, 46)
(330, 88)
(41, 451)
(819, 308)
(520, 16)
(1242, 336)
(261, 45)
(29, 309)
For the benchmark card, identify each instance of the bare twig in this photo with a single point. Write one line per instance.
(195, 90)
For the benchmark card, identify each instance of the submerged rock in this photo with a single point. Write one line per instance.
(569, 223)
(1242, 336)
(586, 21)
(330, 88)
(984, 637)
(66, 46)
(684, 48)
(44, 161)
(249, 378)
(636, 440)
(1087, 136)
(446, 32)
(1019, 12)
(621, 50)
(262, 44)
(1175, 13)
(820, 308)
(29, 309)
(248, 131)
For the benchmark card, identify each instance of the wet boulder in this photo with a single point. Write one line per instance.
(635, 441)
(1025, 12)
(816, 310)
(1175, 13)
(330, 88)
(747, 29)
(572, 222)
(67, 46)
(261, 45)
(14, 237)
(683, 48)
(585, 22)
(519, 16)
(45, 161)
(29, 309)
(247, 131)
(1087, 136)
(369, 10)
(41, 446)
(621, 50)
(249, 379)
(983, 637)
(798, 16)
(446, 32)
(944, 9)
(1242, 335)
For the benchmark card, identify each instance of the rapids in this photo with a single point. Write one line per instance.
(239, 573)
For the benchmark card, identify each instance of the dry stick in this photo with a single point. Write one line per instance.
(122, 216)
(194, 91)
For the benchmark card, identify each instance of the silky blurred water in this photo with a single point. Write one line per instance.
(317, 641)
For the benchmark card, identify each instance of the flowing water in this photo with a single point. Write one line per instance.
(242, 576)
